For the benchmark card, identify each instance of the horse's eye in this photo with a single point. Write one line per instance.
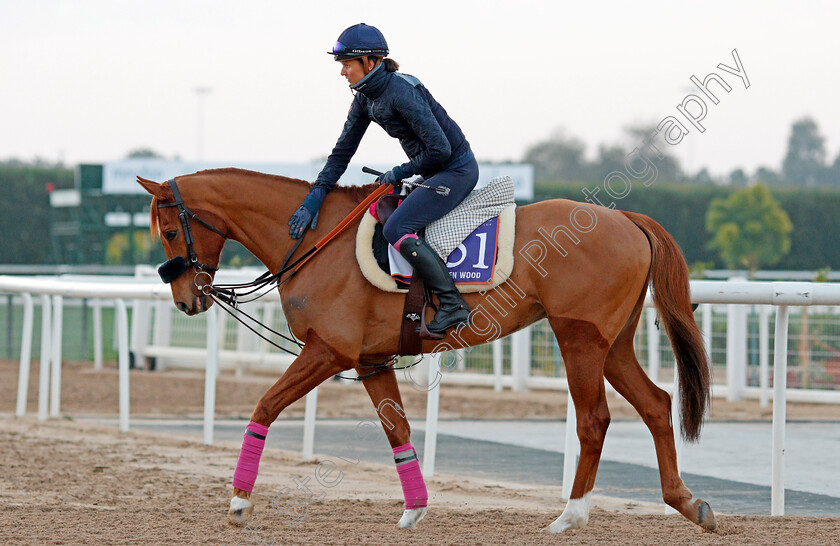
(171, 235)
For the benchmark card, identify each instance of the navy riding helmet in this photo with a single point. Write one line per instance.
(358, 41)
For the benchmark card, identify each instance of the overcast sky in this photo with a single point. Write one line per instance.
(88, 81)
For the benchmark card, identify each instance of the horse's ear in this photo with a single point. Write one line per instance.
(153, 188)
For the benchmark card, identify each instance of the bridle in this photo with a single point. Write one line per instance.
(173, 268)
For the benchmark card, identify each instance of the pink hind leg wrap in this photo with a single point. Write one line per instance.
(413, 486)
(249, 456)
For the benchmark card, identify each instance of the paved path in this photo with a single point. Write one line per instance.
(730, 468)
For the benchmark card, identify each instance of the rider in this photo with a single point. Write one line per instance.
(433, 142)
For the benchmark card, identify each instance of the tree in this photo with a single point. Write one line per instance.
(749, 228)
(558, 158)
(562, 158)
(704, 176)
(768, 176)
(738, 178)
(804, 162)
(668, 166)
(610, 158)
(833, 173)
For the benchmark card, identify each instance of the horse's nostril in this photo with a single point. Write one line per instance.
(182, 307)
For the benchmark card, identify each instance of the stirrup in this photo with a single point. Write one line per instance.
(425, 333)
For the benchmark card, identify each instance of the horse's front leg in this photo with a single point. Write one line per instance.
(385, 395)
(316, 363)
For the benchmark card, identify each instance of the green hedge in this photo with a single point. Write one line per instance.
(25, 211)
(681, 209)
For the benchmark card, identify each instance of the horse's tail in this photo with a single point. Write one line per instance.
(671, 294)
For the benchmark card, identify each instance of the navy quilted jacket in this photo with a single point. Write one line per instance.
(402, 106)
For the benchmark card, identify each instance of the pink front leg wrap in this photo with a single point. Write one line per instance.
(413, 486)
(249, 456)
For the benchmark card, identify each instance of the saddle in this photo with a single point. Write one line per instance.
(386, 205)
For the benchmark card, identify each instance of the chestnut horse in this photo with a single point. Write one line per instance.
(583, 267)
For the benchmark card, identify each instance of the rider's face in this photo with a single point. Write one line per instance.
(353, 70)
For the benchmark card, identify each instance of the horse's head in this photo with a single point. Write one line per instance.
(192, 244)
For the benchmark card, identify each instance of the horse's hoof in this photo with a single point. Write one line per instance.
(411, 518)
(574, 516)
(705, 515)
(240, 511)
(561, 525)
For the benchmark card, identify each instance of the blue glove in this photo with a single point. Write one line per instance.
(299, 222)
(394, 176)
(307, 213)
(388, 178)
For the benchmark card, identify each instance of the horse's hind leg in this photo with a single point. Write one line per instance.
(584, 351)
(385, 395)
(624, 373)
(316, 363)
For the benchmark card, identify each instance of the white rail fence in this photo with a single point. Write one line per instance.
(147, 295)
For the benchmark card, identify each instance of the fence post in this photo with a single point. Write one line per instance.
(571, 449)
(210, 373)
(141, 315)
(10, 325)
(122, 340)
(777, 490)
(421, 373)
(97, 334)
(162, 332)
(309, 424)
(246, 341)
(460, 360)
(764, 355)
(736, 348)
(25, 356)
(432, 412)
(84, 325)
(46, 342)
(653, 344)
(520, 359)
(55, 386)
(708, 331)
(498, 347)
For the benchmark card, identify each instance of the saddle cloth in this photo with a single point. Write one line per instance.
(447, 237)
(472, 262)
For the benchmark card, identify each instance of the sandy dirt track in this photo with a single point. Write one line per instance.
(64, 482)
(69, 483)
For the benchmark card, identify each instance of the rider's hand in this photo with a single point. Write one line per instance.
(388, 178)
(307, 213)
(299, 221)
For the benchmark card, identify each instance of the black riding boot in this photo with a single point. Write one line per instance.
(453, 309)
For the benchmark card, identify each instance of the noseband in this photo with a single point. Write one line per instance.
(173, 268)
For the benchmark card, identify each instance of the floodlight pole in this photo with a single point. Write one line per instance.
(200, 93)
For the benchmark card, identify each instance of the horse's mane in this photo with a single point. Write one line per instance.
(354, 193)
